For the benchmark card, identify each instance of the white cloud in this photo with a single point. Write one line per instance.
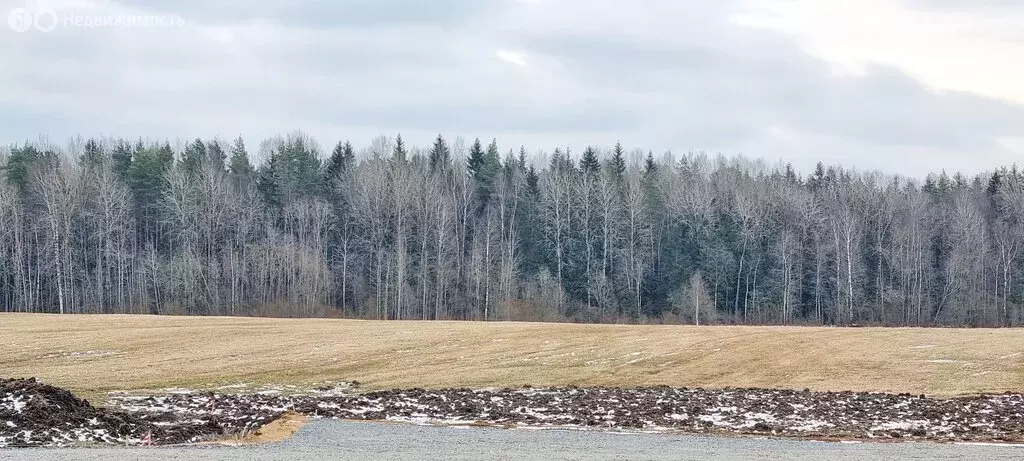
(512, 57)
(960, 49)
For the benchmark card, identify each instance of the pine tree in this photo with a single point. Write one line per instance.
(532, 180)
(994, 183)
(349, 157)
(440, 156)
(485, 169)
(475, 162)
(817, 180)
(589, 164)
(23, 162)
(341, 160)
(215, 155)
(791, 176)
(194, 157)
(617, 164)
(146, 181)
(293, 171)
(122, 159)
(240, 167)
(399, 154)
(492, 160)
(92, 156)
(650, 167)
(268, 183)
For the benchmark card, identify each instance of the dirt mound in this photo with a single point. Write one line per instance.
(37, 414)
(776, 412)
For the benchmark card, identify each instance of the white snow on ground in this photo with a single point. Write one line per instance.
(81, 354)
(902, 425)
(754, 418)
(234, 386)
(811, 425)
(715, 419)
(13, 402)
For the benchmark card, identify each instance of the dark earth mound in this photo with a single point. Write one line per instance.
(790, 413)
(34, 414)
(37, 414)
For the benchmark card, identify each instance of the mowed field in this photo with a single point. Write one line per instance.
(95, 354)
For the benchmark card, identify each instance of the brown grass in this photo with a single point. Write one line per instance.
(151, 352)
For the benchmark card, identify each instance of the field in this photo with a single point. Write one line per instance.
(94, 354)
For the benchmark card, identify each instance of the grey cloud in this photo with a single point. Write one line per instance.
(327, 14)
(766, 81)
(659, 75)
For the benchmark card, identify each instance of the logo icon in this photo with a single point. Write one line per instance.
(20, 19)
(45, 20)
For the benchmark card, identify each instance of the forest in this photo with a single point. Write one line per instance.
(468, 230)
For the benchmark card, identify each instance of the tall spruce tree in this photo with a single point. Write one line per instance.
(440, 155)
(399, 154)
(475, 161)
(617, 162)
(215, 155)
(240, 167)
(194, 157)
(589, 164)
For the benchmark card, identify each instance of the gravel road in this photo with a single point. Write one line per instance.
(344, 440)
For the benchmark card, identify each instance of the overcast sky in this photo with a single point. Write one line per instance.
(906, 86)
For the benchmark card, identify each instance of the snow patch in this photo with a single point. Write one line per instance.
(901, 425)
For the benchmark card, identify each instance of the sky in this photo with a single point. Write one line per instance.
(902, 86)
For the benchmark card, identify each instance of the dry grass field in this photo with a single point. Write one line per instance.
(94, 354)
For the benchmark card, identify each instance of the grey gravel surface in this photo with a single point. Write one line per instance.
(345, 440)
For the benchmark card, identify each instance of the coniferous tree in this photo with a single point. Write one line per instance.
(194, 158)
(342, 159)
(617, 163)
(146, 182)
(92, 154)
(24, 162)
(215, 155)
(589, 163)
(475, 162)
(240, 167)
(399, 154)
(440, 155)
(122, 159)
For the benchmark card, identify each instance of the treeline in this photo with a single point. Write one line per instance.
(462, 230)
